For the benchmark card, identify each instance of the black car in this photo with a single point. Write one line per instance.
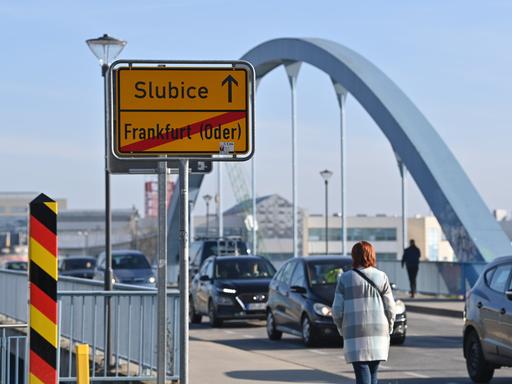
(77, 266)
(300, 299)
(229, 288)
(203, 248)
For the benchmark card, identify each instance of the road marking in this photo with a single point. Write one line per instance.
(418, 375)
(318, 352)
(248, 336)
(229, 332)
(384, 366)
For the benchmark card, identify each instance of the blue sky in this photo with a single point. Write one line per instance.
(453, 59)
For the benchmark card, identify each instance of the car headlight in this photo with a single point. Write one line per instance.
(322, 309)
(400, 307)
(152, 280)
(227, 290)
(224, 300)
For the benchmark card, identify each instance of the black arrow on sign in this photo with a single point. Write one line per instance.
(230, 80)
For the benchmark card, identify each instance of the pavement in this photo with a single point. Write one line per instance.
(241, 353)
(432, 305)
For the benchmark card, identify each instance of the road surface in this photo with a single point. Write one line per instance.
(241, 353)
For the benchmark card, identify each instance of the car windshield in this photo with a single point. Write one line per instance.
(72, 264)
(243, 269)
(17, 265)
(326, 272)
(130, 261)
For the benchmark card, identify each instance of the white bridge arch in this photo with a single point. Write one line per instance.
(466, 221)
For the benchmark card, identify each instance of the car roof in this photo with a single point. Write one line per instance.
(326, 258)
(243, 257)
(76, 257)
(500, 260)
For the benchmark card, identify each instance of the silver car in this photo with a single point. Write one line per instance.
(488, 321)
(128, 266)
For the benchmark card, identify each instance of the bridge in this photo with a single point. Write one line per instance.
(466, 221)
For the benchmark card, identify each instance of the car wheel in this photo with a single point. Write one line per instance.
(308, 332)
(478, 369)
(212, 314)
(398, 340)
(194, 318)
(272, 332)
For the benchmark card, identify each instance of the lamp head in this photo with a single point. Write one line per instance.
(326, 174)
(106, 49)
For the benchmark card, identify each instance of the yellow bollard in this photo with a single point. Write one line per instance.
(82, 364)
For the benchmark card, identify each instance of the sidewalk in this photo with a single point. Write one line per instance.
(432, 305)
(208, 362)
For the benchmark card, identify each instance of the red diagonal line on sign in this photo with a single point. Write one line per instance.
(43, 235)
(43, 303)
(41, 369)
(194, 129)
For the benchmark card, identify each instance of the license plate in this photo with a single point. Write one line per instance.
(256, 306)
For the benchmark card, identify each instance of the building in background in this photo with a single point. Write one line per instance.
(274, 223)
(82, 232)
(14, 208)
(384, 232)
(151, 197)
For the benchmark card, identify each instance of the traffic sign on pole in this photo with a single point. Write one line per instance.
(182, 110)
(189, 112)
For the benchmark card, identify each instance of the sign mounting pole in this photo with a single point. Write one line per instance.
(184, 207)
(178, 114)
(162, 274)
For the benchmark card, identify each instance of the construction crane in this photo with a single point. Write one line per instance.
(243, 197)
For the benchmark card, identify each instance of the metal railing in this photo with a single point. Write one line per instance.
(81, 320)
(133, 329)
(13, 354)
(439, 278)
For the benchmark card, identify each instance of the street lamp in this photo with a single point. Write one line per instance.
(85, 235)
(106, 48)
(207, 199)
(326, 175)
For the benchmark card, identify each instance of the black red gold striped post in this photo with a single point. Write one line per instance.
(43, 277)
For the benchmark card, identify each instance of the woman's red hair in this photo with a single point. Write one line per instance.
(363, 255)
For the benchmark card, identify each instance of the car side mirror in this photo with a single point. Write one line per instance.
(509, 295)
(204, 278)
(297, 289)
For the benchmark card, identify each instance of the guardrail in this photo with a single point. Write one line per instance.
(13, 354)
(439, 278)
(81, 320)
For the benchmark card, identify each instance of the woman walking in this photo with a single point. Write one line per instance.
(364, 312)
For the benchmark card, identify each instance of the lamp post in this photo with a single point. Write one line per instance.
(106, 48)
(85, 235)
(207, 199)
(326, 175)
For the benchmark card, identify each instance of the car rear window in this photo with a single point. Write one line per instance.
(17, 266)
(243, 269)
(130, 261)
(224, 247)
(70, 265)
(500, 278)
(488, 276)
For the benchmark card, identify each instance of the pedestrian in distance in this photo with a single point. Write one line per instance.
(411, 259)
(364, 312)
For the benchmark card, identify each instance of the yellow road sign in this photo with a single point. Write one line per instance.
(182, 111)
